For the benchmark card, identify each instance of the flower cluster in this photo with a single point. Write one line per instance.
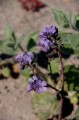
(45, 44)
(47, 41)
(48, 32)
(37, 84)
(47, 38)
(24, 58)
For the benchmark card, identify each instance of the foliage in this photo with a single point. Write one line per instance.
(54, 66)
(31, 41)
(26, 74)
(69, 39)
(76, 21)
(71, 43)
(61, 18)
(8, 44)
(47, 106)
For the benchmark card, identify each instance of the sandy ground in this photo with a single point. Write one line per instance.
(25, 22)
(15, 102)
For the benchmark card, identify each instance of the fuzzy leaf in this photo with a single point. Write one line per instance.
(30, 44)
(61, 18)
(71, 43)
(76, 21)
(26, 74)
(8, 45)
(54, 66)
(31, 41)
(73, 97)
(7, 50)
(71, 77)
(9, 33)
(45, 105)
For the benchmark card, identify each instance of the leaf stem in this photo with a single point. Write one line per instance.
(20, 46)
(58, 91)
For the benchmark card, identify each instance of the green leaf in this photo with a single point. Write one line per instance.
(61, 18)
(67, 49)
(45, 105)
(5, 72)
(73, 97)
(76, 21)
(26, 74)
(8, 45)
(9, 33)
(8, 48)
(4, 49)
(1, 43)
(34, 35)
(44, 115)
(54, 66)
(30, 44)
(72, 77)
(75, 43)
(31, 41)
(71, 43)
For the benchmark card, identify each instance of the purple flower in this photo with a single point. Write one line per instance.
(37, 84)
(48, 36)
(48, 33)
(24, 58)
(45, 44)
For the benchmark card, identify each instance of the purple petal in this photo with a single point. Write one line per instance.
(44, 83)
(41, 35)
(30, 80)
(45, 44)
(52, 29)
(40, 82)
(31, 54)
(24, 58)
(19, 57)
(48, 31)
(45, 49)
(44, 30)
(29, 88)
(41, 90)
(28, 60)
(35, 77)
(41, 42)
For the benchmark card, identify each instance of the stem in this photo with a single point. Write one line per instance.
(61, 98)
(20, 46)
(33, 68)
(54, 89)
(61, 109)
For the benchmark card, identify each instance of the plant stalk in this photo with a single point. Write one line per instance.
(20, 47)
(58, 91)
